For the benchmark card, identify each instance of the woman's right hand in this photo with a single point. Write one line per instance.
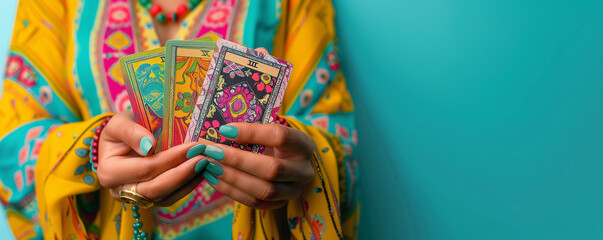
(125, 157)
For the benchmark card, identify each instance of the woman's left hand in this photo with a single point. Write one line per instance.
(259, 181)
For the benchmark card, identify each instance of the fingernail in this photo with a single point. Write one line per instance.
(229, 131)
(145, 145)
(210, 178)
(195, 151)
(201, 165)
(214, 152)
(215, 169)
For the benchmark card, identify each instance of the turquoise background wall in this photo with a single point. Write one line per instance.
(478, 119)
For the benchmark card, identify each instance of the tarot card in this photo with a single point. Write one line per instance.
(144, 79)
(186, 67)
(242, 85)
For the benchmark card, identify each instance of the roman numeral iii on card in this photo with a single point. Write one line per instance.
(242, 85)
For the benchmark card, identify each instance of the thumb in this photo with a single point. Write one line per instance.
(123, 128)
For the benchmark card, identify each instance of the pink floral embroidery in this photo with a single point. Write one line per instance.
(118, 14)
(45, 95)
(217, 17)
(122, 102)
(18, 177)
(13, 65)
(333, 61)
(27, 76)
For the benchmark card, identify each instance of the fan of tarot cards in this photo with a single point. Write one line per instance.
(188, 89)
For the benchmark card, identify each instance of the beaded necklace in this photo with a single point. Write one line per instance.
(157, 12)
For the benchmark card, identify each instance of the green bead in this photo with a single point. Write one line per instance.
(136, 215)
(144, 234)
(136, 232)
(144, 2)
(161, 17)
(134, 208)
(174, 17)
(195, 2)
(137, 225)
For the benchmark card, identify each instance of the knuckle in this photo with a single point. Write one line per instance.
(152, 193)
(233, 160)
(114, 194)
(103, 179)
(268, 193)
(251, 202)
(274, 170)
(143, 171)
(127, 130)
(281, 134)
(308, 173)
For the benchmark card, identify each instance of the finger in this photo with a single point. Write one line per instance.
(246, 199)
(168, 182)
(119, 170)
(272, 135)
(262, 50)
(259, 165)
(256, 187)
(123, 128)
(182, 191)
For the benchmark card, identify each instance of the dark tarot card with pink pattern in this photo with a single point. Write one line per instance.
(242, 85)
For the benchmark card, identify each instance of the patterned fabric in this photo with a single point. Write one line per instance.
(62, 79)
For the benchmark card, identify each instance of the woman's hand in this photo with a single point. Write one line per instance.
(125, 158)
(261, 181)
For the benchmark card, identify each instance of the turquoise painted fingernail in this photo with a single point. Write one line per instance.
(201, 165)
(210, 178)
(145, 145)
(214, 152)
(195, 151)
(229, 131)
(215, 169)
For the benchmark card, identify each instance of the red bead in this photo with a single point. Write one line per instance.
(104, 124)
(181, 11)
(98, 130)
(94, 151)
(94, 144)
(155, 9)
(95, 159)
(108, 118)
(96, 165)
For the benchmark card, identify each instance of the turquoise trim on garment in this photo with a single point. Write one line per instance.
(20, 149)
(261, 24)
(82, 58)
(219, 229)
(39, 90)
(313, 85)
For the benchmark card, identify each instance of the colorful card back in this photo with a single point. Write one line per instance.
(144, 80)
(242, 85)
(186, 68)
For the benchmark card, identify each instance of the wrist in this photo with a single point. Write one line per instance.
(94, 146)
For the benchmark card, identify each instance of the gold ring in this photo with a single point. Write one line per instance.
(131, 196)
